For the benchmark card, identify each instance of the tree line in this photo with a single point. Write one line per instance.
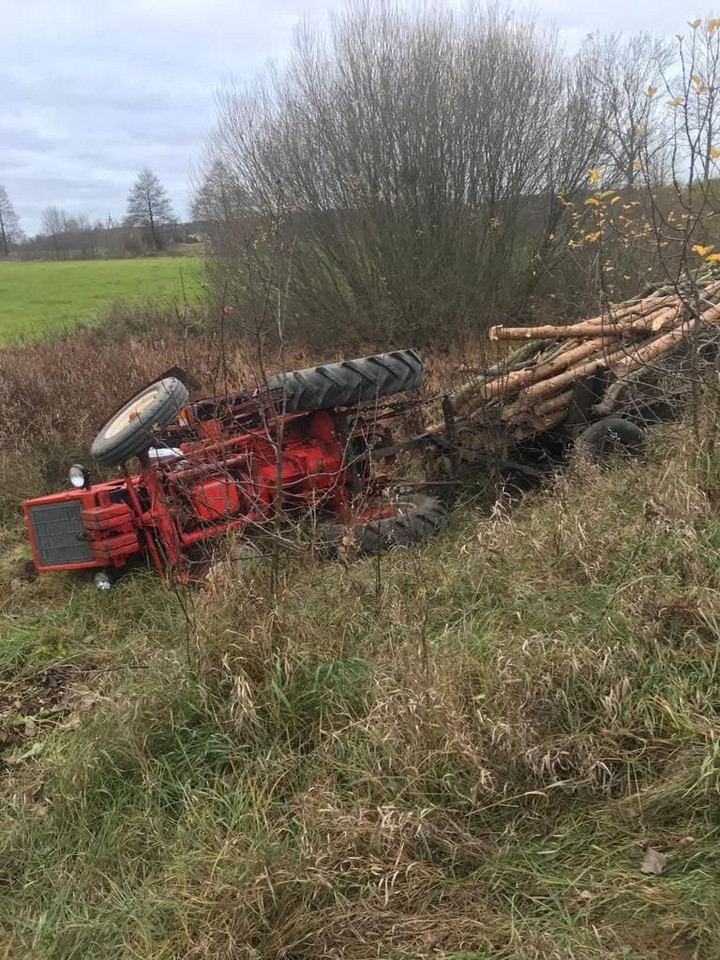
(416, 170)
(149, 224)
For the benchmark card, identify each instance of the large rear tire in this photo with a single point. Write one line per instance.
(351, 381)
(415, 518)
(132, 429)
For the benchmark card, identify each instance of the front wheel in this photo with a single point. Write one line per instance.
(132, 429)
(384, 524)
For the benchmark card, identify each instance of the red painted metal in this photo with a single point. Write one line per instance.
(227, 478)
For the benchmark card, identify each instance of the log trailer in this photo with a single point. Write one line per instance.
(594, 385)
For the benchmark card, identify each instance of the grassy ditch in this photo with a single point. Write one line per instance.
(462, 752)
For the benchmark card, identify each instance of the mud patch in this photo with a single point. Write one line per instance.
(31, 706)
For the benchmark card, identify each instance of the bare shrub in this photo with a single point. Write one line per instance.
(415, 157)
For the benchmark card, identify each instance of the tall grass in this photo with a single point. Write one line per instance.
(463, 756)
(56, 394)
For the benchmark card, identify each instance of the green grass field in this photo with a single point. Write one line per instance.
(43, 298)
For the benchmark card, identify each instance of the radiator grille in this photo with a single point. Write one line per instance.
(58, 533)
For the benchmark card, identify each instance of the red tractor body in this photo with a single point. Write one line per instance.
(218, 465)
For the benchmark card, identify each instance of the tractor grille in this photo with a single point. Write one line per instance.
(58, 533)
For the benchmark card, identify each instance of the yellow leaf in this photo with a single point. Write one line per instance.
(696, 78)
(703, 251)
(714, 153)
(651, 91)
(615, 199)
(713, 25)
(694, 23)
(713, 258)
(640, 129)
(676, 101)
(591, 201)
(594, 174)
(637, 164)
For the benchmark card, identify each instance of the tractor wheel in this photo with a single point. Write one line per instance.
(611, 437)
(131, 429)
(408, 521)
(351, 381)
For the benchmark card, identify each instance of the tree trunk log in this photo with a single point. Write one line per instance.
(520, 378)
(634, 321)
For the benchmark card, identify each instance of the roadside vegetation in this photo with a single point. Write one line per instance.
(502, 746)
(462, 751)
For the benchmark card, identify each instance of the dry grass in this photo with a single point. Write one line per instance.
(55, 394)
(461, 753)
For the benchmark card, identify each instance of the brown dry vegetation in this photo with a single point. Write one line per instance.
(56, 393)
(461, 752)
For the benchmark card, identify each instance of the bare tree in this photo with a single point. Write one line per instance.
(420, 155)
(149, 207)
(9, 223)
(627, 71)
(53, 224)
(218, 197)
(697, 91)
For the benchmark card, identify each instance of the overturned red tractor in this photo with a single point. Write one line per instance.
(307, 444)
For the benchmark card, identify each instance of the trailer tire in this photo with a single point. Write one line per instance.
(611, 437)
(418, 518)
(132, 429)
(350, 382)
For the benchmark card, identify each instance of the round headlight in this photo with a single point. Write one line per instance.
(78, 476)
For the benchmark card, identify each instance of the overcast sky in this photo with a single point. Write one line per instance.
(93, 90)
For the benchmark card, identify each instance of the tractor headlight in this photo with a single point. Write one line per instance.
(78, 476)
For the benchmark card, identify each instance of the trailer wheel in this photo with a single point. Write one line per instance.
(351, 381)
(131, 430)
(611, 437)
(408, 521)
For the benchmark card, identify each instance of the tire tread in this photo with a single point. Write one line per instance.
(350, 382)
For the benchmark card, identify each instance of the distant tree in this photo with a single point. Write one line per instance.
(149, 207)
(53, 221)
(9, 223)
(54, 224)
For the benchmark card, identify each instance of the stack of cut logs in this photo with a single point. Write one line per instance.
(531, 389)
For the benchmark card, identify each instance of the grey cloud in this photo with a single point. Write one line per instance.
(90, 93)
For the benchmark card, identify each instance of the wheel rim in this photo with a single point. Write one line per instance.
(131, 412)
